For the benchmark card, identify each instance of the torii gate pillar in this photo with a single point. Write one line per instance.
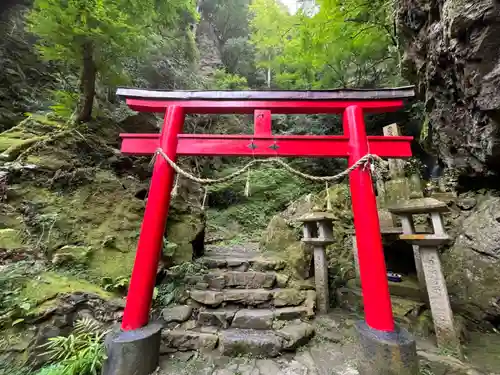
(384, 348)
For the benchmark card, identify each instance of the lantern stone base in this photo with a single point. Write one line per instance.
(133, 352)
(386, 353)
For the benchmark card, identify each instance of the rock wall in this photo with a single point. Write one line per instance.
(452, 56)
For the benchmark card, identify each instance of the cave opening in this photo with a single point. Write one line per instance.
(399, 259)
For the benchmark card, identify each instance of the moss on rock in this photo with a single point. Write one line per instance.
(66, 255)
(10, 239)
(74, 199)
(41, 291)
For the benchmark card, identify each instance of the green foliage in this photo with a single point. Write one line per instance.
(117, 29)
(228, 81)
(65, 103)
(102, 36)
(174, 287)
(271, 190)
(80, 353)
(12, 305)
(119, 285)
(345, 44)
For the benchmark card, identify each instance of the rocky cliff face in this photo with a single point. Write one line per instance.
(452, 56)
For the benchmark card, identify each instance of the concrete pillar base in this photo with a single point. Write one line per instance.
(133, 352)
(386, 353)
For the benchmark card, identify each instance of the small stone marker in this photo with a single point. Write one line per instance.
(427, 244)
(396, 166)
(318, 231)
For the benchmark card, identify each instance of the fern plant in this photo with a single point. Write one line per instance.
(80, 353)
(173, 289)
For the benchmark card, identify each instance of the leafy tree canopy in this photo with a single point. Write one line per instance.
(99, 36)
(347, 43)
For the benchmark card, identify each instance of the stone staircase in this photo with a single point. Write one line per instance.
(244, 304)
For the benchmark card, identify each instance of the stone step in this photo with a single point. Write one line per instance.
(351, 298)
(234, 279)
(408, 288)
(251, 249)
(235, 342)
(251, 318)
(254, 297)
(243, 263)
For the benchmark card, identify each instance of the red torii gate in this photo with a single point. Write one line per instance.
(354, 144)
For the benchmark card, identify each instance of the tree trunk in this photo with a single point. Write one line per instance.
(87, 85)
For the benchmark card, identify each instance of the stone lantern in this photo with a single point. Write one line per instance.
(318, 232)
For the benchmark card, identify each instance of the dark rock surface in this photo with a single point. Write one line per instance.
(472, 264)
(452, 55)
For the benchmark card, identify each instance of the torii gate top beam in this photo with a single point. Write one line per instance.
(279, 102)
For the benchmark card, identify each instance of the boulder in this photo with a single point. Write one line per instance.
(282, 239)
(472, 264)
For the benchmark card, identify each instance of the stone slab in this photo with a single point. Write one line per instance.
(247, 297)
(242, 263)
(409, 288)
(133, 352)
(426, 239)
(235, 342)
(418, 206)
(442, 315)
(188, 340)
(387, 353)
(250, 297)
(296, 335)
(288, 297)
(177, 314)
(292, 313)
(216, 318)
(253, 319)
(249, 279)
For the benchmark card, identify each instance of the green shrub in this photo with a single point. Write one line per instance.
(228, 81)
(65, 103)
(80, 353)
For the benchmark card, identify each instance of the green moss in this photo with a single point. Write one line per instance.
(16, 149)
(77, 255)
(42, 290)
(111, 263)
(44, 161)
(6, 143)
(271, 191)
(10, 239)
(281, 239)
(182, 231)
